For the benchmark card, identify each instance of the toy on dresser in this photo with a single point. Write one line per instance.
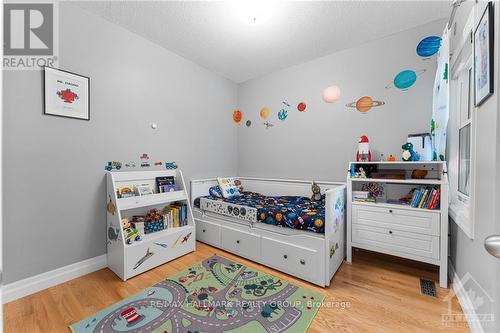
(364, 154)
(130, 231)
(408, 153)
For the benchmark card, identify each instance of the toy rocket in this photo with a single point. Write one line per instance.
(364, 154)
(185, 239)
(148, 255)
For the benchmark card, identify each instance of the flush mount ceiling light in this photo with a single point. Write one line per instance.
(252, 12)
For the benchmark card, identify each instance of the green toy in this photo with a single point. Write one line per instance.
(408, 153)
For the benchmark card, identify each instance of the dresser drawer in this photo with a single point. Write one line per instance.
(241, 242)
(295, 260)
(208, 232)
(410, 220)
(395, 240)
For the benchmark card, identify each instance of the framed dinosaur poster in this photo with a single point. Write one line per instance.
(66, 94)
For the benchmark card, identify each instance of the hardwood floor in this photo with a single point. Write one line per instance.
(382, 293)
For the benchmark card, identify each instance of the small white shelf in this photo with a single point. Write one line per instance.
(401, 162)
(421, 234)
(154, 249)
(394, 206)
(399, 181)
(151, 200)
(156, 236)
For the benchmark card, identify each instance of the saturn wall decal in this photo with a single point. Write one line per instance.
(405, 79)
(364, 104)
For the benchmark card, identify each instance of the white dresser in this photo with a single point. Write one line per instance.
(385, 223)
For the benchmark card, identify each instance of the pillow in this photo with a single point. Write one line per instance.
(228, 188)
(215, 191)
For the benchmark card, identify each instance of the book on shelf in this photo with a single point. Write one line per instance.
(175, 215)
(370, 199)
(360, 194)
(426, 197)
(165, 184)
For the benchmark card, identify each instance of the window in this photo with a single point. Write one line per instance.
(461, 134)
(464, 138)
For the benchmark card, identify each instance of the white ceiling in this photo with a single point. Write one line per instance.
(221, 37)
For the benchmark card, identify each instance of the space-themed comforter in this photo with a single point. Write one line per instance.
(287, 211)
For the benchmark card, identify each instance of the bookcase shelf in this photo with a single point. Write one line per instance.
(151, 200)
(399, 181)
(160, 235)
(394, 206)
(154, 249)
(401, 230)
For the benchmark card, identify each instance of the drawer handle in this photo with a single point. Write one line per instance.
(390, 210)
(203, 230)
(237, 242)
(285, 256)
(390, 231)
(302, 262)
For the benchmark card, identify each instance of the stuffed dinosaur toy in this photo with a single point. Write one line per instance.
(408, 153)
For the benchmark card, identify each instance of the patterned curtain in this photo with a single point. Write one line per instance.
(440, 103)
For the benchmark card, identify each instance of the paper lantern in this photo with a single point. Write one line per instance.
(331, 94)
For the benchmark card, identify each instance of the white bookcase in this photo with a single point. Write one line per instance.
(128, 260)
(389, 227)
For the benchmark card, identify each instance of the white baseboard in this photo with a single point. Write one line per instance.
(49, 279)
(464, 300)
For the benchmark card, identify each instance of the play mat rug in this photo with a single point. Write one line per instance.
(214, 295)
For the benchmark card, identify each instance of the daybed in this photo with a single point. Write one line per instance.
(275, 224)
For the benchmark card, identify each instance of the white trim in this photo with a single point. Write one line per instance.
(464, 300)
(33, 284)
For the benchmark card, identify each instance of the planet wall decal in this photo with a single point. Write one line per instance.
(364, 104)
(428, 46)
(405, 79)
(282, 114)
(264, 113)
(249, 123)
(331, 94)
(301, 107)
(237, 116)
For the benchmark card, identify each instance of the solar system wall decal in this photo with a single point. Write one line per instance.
(405, 79)
(282, 114)
(248, 123)
(301, 107)
(364, 104)
(237, 116)
(428, 46)
(264, 113)
(331, 94)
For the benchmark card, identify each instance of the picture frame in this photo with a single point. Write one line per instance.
(483, 56)
(66, 94)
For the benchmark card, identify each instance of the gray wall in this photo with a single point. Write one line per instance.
(54, 190)
(320, 142)
(469, 255)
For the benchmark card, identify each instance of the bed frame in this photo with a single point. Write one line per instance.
(304, 254)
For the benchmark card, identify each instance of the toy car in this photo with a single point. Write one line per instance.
(113, 165)
(170, 165)
(144, 157)
(145, 165)
(130, 164)
(158, 163)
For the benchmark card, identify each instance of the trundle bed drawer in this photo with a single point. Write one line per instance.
(241, 242)
(298, 261)
(395, 240)
(422, 222)
(208, 232)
